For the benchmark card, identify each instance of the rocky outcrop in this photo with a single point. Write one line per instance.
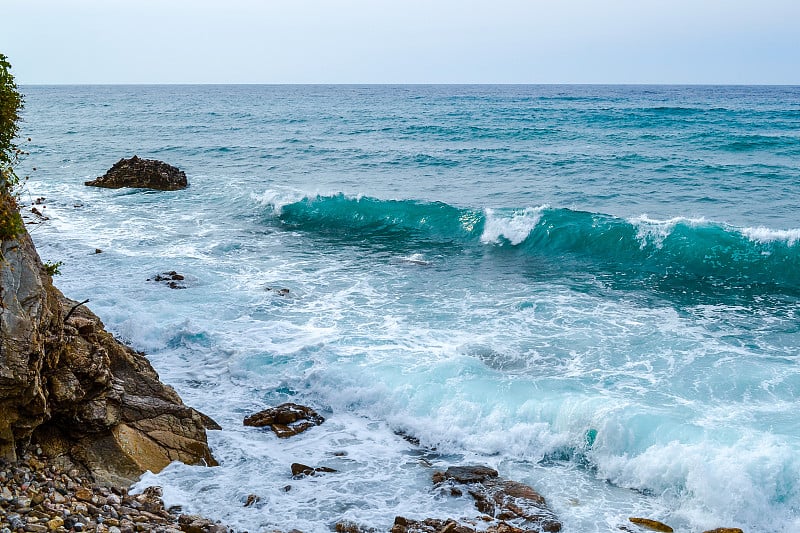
(85, 399)
(286, 420)
(142, 173)
(502, 502)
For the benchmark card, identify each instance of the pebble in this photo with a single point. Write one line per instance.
(37, 497)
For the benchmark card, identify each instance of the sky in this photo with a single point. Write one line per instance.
(402, 41)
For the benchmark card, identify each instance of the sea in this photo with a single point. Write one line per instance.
(593, 289)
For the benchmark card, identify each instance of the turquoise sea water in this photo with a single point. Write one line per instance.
(592, 289)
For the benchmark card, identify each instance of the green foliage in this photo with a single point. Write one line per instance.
(10, 106)
(53, 269)
(10, 220)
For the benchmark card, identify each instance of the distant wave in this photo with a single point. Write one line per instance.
(678, 248)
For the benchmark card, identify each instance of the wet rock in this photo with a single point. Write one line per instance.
(198, 524)
(299, 469)
(142, 173)
(465, 474)
(434, 525)
(286, 420)
(279, 292)
(501, 499)
(347, 526)
(252, 499)
(724, 530)
(171, 279)
(654, 525)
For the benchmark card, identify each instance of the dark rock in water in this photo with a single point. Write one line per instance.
(499, 498)
(299, 469)
(143, 174)
(279, 292)
(724, 530)
(465, 474)
(435, 525)
(171, 279)
(252, 499)
(346, 526)
(286, 420)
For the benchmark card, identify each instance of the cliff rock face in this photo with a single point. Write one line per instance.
(70, 387)
(142, 173)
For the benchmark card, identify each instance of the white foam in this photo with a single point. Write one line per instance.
(762, 234)
(653, 232)
(277, 199)
(515, 228)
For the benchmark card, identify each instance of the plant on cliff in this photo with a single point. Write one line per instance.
(10, 106)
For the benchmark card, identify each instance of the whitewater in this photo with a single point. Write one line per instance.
(594, 290)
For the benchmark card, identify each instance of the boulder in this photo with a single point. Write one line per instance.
(142, 173)
(501, 499)
(69, 386)
(286, 420)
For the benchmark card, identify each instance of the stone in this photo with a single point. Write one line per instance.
(466, 474)
(143, 174)
(171, 279)
(285, 420)
(724, 530)
(84, 494)
(55, 523)
(654, 525)
(299, 469)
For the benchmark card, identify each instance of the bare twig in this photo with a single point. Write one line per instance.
(74, 307)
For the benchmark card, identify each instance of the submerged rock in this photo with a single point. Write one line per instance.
(286, 420)
(142, 173)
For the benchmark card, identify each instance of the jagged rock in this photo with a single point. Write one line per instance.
(435, 525)
(286, 420)
(346, 526)
(142, 173)
(88, 401)
(465, 474)
(499, 498)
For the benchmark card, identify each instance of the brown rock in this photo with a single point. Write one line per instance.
(299, 469)
(654, 525)
(499, 498)
(286, 420)
(142, 173)
(724, 530)
(466, 474)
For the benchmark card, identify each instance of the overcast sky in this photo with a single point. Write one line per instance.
(402, 41)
